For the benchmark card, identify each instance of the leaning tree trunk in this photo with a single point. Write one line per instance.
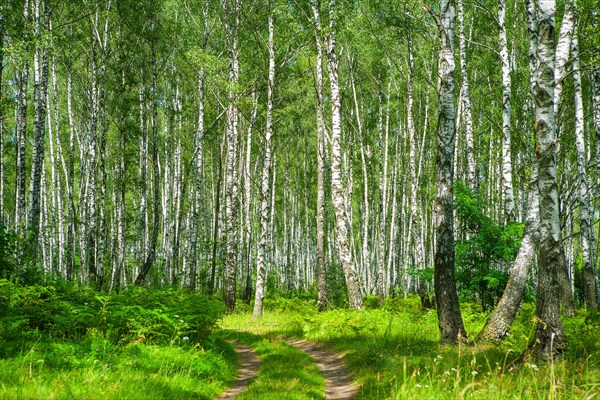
(320, 217)
(337, 187)
(550, 338)
(265, 184)
(498, 325)
(585, 219)
(448, 309)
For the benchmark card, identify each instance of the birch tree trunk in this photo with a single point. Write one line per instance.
(337, 187)
(266, 175)
(197, 208)
(151, 255)
(507, 186)
(71, 232)
(21, 133)
(550, 338)
(596, 116)
(383, 172)
(585, 219)
(448, 309)
(231, 23)
(563, 53)
(498, 325)
(466, 99)
(248, 203)
(320, 212)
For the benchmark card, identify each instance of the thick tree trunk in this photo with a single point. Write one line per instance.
(550, 338)
(448, 309)
(320, 212)
(265, 184)
(337, 187)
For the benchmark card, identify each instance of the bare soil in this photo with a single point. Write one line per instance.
(249, 366)
(338, 380)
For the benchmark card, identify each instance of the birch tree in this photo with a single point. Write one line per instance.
(320, 212)
(550, 338)
(265, 179)
(498, 324)
(507, 185)
(448, 309)
(231, 9)
(337, 187)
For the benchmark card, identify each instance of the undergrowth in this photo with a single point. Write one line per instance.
(66, 342)
(394, 351)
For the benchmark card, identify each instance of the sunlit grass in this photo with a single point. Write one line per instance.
(285, 371)
(395, 354)
(77, 371)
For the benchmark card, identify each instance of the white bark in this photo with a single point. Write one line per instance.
(337, 187)
(266, 175)
(466, 99)
(507, 186)
(320, 212)
(550, 336)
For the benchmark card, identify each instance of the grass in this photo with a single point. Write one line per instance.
(285, 373)
(135, 347)
(395, 354)
(95, 369)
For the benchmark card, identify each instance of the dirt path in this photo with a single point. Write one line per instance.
(338, 380)
(249, 366)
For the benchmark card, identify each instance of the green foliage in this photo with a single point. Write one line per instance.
(64, 311)
(482, 258)
(54, 334)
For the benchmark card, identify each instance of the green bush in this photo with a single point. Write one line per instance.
(489, 247)
(64, 311)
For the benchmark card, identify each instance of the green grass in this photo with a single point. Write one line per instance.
(96, 369)
(285, 373)
(395, 354)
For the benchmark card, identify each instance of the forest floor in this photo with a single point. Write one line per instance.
(394, 354)
(67, 342)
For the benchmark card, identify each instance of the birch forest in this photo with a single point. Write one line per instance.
(348, 152)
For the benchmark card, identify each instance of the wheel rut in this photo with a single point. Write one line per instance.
(339, 384)
(249, 366)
